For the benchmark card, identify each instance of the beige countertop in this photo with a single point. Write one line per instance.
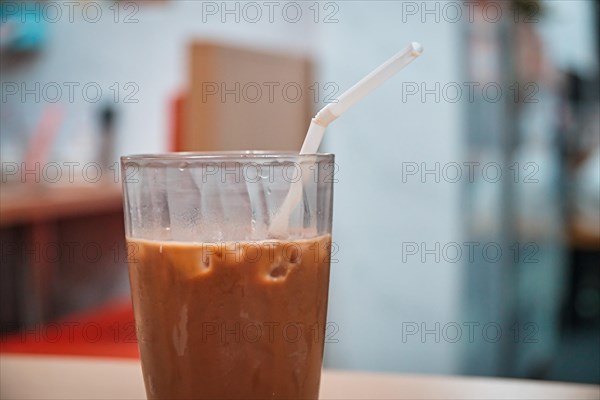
(48, 377)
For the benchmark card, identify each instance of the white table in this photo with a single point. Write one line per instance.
(45, 377)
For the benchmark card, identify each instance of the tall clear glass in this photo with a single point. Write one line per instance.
(223, 309)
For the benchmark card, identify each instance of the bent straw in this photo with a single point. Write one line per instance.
(330, 113)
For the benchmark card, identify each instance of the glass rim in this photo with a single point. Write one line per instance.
(225, 156)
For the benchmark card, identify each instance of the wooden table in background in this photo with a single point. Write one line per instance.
(35, 221)
(34, 204)
(26, 377)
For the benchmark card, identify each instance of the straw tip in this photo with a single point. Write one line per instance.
(417, 48)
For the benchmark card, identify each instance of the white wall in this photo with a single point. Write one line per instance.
(372, 291)
(152, 53)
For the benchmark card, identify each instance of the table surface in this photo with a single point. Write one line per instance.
(49, 377)
(25, 204)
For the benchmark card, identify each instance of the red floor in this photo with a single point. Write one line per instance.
(108, 331)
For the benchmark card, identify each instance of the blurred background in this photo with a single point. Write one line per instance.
(467, 206)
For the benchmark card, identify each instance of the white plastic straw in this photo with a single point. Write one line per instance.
(330, 113)
(351, 96)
